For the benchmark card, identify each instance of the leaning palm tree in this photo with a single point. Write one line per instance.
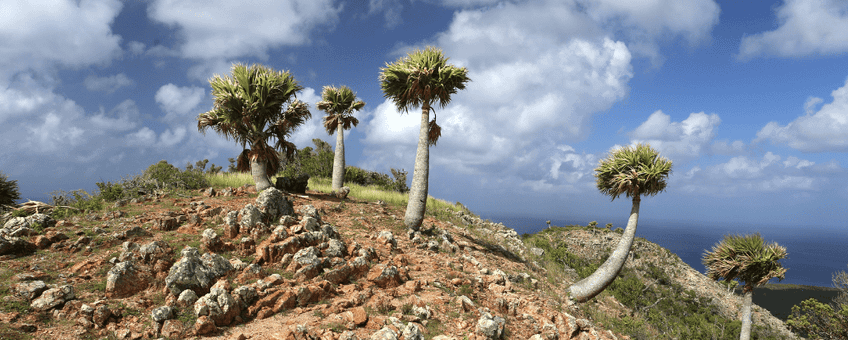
(633, 171)
(750, 260)
(244, 104)
(339, 104)
(422, 78)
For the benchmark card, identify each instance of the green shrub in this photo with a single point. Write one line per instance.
(167, 176)
(813, 318)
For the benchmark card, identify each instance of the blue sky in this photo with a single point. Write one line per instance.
(749, 99)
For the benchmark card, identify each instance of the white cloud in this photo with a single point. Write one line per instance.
(40, 34)
(228, 29)
(179, 103)
(806, 28)
(126, 117)
(540, 70)
(135, 47)
(107, 84)
(825, 130)
(744, 175)
(682, 140)
(391, 11)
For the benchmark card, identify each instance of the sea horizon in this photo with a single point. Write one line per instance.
(815, 252)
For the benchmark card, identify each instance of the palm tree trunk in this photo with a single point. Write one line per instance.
(339, 160)
(260, 174)
(418, 192)
(745, 333)
(599, 280)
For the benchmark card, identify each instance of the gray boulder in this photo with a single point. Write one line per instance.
(31, 290)
(188, 273)
(249, 216)
(156, 250)
(15, 246)
(273, 205)
(489, 326)
(307, 256)
(53, 298)
(124, 279)
(245, 295)
(218, 305)
(162, 313)
(385, 333)
(412, 332)
(335, 248)
(187, 297)
(216, 265)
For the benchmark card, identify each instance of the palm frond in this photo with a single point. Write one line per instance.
(633, 171)
(745, 258)
(422, 77)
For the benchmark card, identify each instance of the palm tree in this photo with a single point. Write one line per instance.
(421, 78)
(339, 103)
(750, 260)
(632, 171)
(8, 192)
(244, 104)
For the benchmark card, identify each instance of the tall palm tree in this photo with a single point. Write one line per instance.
(339, 104)
(422, 78)
(633, 171)
(244, 104)
(750, 260)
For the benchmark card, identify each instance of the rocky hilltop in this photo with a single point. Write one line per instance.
(234, 264)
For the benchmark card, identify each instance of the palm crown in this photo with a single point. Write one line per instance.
(633, 171)
(745, 258)
(339, 104)
(420, 79)
(248, 101)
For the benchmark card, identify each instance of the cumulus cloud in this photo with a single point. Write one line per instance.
(108, 84)
(70, 33)
(312, 128)
(682, 140)
(391, 10)
(179, 103)
(217, 29)
(806, 28)
(770, 173)
(824, 130)
(540, 70)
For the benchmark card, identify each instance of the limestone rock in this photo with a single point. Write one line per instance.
(172, 329)
(31, 290)
(204, 326)
(273, 204)
(189, 273)
(162, 313)
(218, 305)
(124, 279)
(211, 241)
(249, 216)
(15, 246)
(384, 276)
(412, 332)
(54, 297)
(384, 333)
(489, 326)
(187, 298)
(101, 316)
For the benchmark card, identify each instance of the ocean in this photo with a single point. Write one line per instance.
(815, 252)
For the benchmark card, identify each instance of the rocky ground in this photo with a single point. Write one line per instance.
(235, 264)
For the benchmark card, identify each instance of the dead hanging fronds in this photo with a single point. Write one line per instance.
(435, 131)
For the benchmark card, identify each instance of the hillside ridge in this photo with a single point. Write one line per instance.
(328, 269)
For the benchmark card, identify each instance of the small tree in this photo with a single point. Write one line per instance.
(8, 191)
(750, 260)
